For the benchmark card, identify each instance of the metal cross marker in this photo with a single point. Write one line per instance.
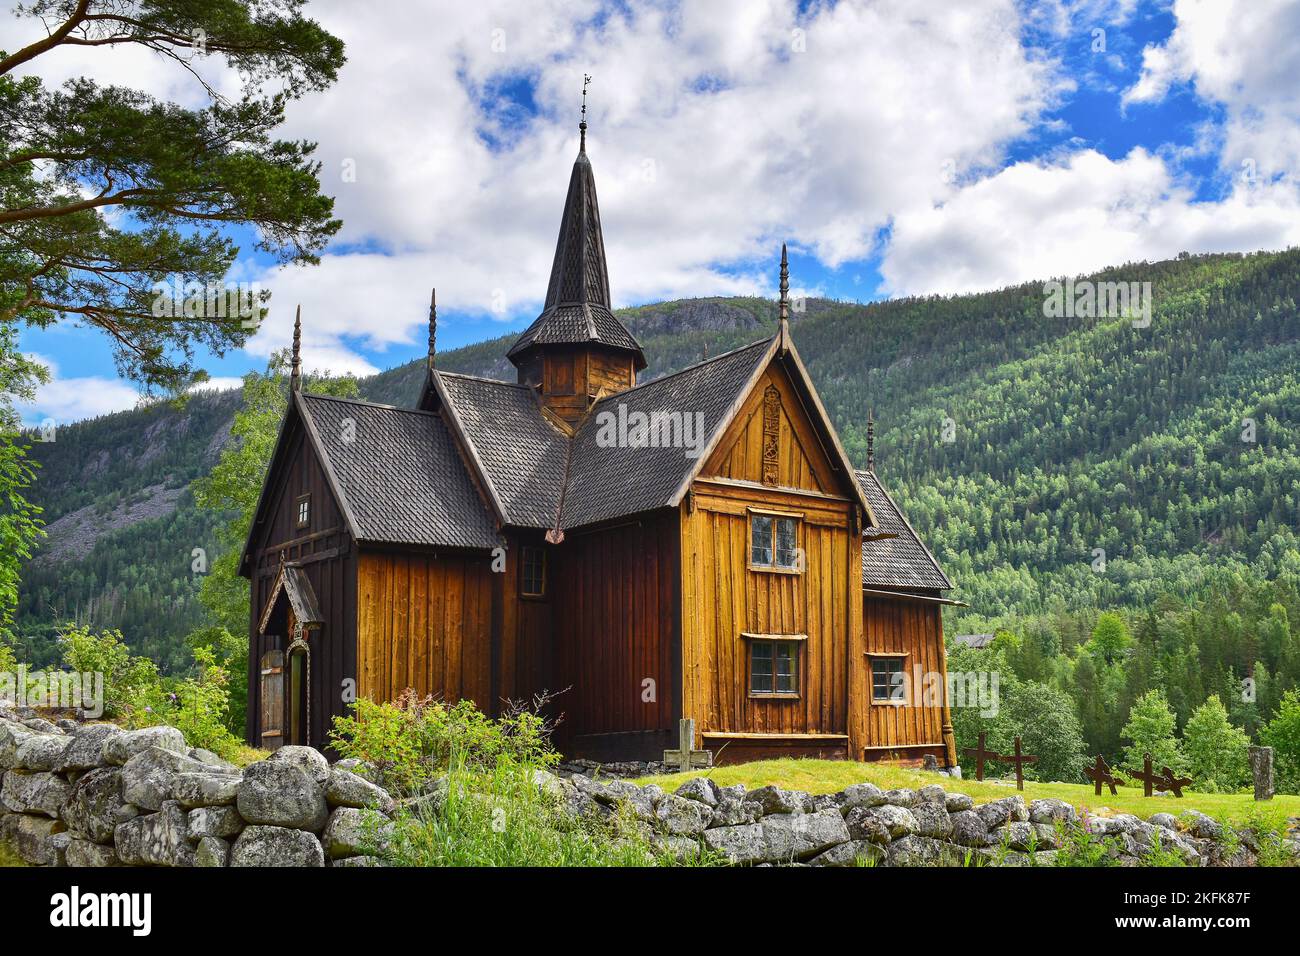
(979, 754)
(1148, 777)
(1019, 760)
(1099, 773)
(684, 758)
(1173, 783)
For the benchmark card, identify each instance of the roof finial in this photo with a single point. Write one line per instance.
(433, 326)
(871, 440)
(582, 126)
(295, 365)
(785, 293)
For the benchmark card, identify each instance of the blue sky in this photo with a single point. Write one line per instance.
(899, 147)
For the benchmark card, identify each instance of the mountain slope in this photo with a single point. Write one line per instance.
(1019, 445)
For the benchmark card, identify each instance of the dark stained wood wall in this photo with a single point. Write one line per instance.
(525, 656)
(424, 621)
(615, 606)
(328, 558)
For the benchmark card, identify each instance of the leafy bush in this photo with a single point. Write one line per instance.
(132, 686)
(1150, 727)
(1216, 750)
(201, 707)
(414, 739)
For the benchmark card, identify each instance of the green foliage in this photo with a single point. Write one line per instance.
(1215, 750)
(1283, 735)
(1110, 636)
(1079, 847)
(1044, 718)
(202, 706)
(413, 740)
(132, 686)
(1150, 729)
(106, 192)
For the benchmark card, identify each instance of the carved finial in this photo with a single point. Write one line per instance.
(582, 126)
(433, 326)
(295, 366)
(785, 292)
(706, 350)
(871, 441)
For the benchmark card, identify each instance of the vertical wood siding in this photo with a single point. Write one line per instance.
(424, 621)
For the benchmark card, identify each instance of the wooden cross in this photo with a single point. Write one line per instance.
(684, 758)
(1019, 759)
(1099, 773)
(1173, 783)
(1148, 777)
(979, 755)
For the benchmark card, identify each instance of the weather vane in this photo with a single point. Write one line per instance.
(582, 126)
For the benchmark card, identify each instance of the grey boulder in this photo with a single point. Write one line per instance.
(276, 846)
(353, 832)
(307, 759)
(280, 793)
(148, 776)
(42, 752)
(346, 789)
(96, 805)
(220, 822)
(86, 747)
(120, 748)
(678, 816)
(42, 793)
(157, 839)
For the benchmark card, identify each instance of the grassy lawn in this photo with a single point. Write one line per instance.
(829, 776)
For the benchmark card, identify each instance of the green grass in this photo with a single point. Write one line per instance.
(829, 776)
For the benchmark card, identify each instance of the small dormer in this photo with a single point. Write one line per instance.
(577, 349)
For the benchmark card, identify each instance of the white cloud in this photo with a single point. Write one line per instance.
(1242, 54)
(1080, 214)
(72, 399)
(218, 384)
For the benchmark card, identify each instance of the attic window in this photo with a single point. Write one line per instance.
(304, 511)
(774, 541)
(532, 572)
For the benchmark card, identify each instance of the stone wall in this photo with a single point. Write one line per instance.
(925, 827)
(92, 794)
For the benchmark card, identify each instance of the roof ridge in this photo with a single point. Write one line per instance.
(689, 368)
(362, 401)
(482, 378)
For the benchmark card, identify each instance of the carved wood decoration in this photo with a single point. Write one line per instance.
(771, 434)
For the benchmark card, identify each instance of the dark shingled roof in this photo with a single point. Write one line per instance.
(607, 482)
(976, 641)
(522, 454)
(577, 308)
(903, 562)
(400, 475)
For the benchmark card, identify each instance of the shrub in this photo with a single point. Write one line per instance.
(1216, 750)
(413, 739)
(132, 686)
(1150, 727)
(202, 705)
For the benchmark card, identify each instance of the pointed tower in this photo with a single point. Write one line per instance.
(577, 349)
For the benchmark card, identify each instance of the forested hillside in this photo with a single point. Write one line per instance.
(1068, 435)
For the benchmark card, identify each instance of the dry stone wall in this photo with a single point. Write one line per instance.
(86, 794)
(92, 794)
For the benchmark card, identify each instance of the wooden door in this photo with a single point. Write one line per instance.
(272, 700)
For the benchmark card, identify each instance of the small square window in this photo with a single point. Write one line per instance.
(532, 572)
(887, 679)
(304, 511)
(774, 668)
(774, 542)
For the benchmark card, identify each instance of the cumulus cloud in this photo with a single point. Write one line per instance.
(72, 399)
(1243, 55)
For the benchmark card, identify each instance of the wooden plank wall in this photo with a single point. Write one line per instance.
(915, 629)
(425, 622)
(724, 598)
(614, 601)
(525, 664)
(326, 554)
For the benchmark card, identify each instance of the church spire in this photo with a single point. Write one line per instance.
(578, 309)
(582, 125)
(295, 364)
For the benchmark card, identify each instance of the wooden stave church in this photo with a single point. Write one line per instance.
(627, 584)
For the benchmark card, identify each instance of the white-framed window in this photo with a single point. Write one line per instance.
(774, 541)
(304, 511)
